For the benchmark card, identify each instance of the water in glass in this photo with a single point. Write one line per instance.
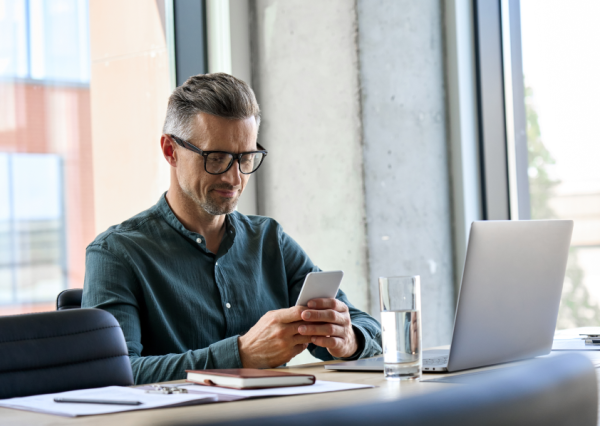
(401, 344)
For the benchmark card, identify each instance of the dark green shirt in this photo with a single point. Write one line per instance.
(182, 307)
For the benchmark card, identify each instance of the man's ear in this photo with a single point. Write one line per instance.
(167, 144)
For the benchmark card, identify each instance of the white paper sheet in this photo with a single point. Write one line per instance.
(46, 404)
(320, 386)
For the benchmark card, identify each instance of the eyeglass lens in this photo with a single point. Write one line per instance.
(218, 162)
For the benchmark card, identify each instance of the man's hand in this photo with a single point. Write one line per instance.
(274, 339)
(329, 326)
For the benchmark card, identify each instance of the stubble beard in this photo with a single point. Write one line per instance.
(211, 204)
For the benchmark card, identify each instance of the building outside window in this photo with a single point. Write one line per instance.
(46, 186)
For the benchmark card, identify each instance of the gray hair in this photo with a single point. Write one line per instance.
(218, 94)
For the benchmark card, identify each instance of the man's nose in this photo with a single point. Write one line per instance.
(233, 176)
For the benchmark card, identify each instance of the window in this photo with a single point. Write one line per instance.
(32, 233)
(46, 190)
(561, 65)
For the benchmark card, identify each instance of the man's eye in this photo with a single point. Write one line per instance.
(218, 158)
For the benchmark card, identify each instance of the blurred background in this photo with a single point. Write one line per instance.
(560, 63)
(390, 125)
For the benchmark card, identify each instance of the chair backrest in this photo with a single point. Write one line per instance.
(557, 391)
(62, 350)
(69, 299)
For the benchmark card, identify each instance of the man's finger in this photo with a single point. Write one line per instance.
(326, 315)
(299, 348)
(289, 315)
(321, 330)
(299, 339)
(288, 330)
(334, 304)
(328, 342)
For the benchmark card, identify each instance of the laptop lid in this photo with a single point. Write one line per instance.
(510, 292)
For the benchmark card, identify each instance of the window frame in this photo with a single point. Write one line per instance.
(501, 110)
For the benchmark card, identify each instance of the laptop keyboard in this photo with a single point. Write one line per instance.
(440, 360)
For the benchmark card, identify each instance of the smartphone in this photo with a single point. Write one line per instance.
(320, 285)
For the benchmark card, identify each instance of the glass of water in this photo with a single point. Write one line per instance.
(400, 299)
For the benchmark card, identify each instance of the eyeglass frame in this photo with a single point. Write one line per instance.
(185, 144)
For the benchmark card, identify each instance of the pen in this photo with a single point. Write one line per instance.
(97, 401)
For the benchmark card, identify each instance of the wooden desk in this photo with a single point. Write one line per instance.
(385, 391)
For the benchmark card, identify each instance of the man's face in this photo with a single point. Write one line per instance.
(216, 194)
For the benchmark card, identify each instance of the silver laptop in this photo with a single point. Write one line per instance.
(508, 300)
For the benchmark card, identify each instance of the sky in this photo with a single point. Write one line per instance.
(561, 63)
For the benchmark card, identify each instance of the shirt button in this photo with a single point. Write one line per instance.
(199, 240)
(228, 305)
(216, 263)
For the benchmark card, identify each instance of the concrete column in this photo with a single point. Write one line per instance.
(305, 74)
(407, 186)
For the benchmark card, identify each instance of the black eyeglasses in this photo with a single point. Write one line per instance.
(218, 162)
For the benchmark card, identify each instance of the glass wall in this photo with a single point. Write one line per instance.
(63, 65)
(46, 188)
(561, 65)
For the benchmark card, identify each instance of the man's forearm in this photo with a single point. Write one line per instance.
(162, 368)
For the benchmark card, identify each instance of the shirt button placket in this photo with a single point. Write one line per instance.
(227, 305)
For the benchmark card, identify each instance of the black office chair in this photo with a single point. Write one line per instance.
(59, 351)
(558, 391)
(69, 299)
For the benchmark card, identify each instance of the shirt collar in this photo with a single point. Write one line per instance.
(230, 227)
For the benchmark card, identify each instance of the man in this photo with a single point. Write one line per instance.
(195, 284)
